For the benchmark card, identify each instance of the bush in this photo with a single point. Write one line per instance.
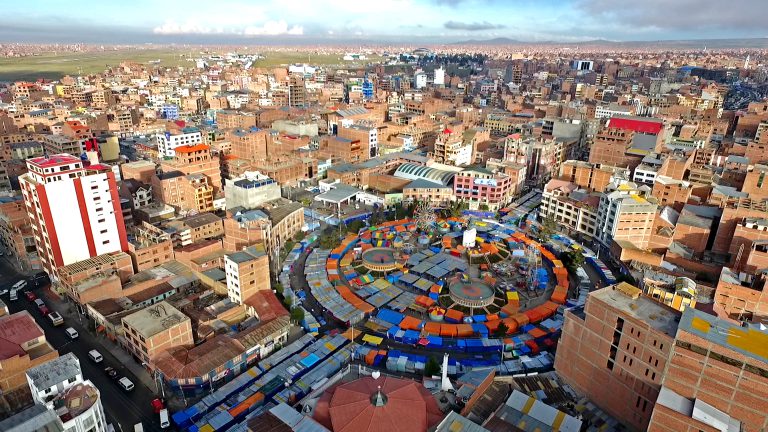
(501, 330)
(355, 226)
(432, 367)
(297, 315)
(330, 241)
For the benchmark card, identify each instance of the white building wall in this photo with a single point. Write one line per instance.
(101, 213)
(233, 280)
(67, 221)
(166, 143)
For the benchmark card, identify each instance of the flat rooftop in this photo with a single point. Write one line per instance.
(154, 319)
(277, 214)
(750, 341)
(55, 371)
(35, 418)
(631, 301)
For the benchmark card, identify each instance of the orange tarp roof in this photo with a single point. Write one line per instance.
(410, 323)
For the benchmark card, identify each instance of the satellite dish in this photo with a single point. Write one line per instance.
(375, 374)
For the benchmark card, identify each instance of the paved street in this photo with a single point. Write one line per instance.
(123, 409)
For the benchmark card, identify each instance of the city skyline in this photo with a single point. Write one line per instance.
(428, 21)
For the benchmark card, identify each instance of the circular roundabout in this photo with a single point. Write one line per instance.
(470, 292)
(379, 259)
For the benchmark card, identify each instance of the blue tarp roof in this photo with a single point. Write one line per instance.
(310, 360)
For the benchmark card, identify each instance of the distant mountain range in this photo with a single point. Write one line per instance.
(670, 44)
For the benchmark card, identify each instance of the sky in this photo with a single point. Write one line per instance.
(434, 21)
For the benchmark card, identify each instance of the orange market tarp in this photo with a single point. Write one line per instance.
(464, 330)
(510, 309)
(410, 323)
(448, 330)
(454, 314)
(521, 319)
(432, 328)
(424, 301)
(511, 325)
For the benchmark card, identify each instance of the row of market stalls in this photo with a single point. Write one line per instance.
(285, 376)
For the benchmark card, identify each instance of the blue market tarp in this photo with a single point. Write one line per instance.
(411, 337)
(435, 341)
(480, 329)
(390, 316)
(310, 360)
(478, 318)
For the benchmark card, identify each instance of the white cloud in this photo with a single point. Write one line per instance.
(272, 28)
(269, 28)
(171, 27)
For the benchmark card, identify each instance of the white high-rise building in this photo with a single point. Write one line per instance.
(168, 141)
(420, 80)
(439, 76)
(75, 210)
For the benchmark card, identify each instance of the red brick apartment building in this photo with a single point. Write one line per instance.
(716, 378)
(615, 351)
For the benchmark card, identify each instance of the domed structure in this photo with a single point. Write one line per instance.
(470, 292)
(386, 404)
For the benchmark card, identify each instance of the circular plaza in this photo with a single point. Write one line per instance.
(470, 292)
(379, 259)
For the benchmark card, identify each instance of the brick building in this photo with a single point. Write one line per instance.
(716, 378)
(247, 273)
(23, 347)
(150, 248)
(615, 350)
(154, 330)
(593, 177)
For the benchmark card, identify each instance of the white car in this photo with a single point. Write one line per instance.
(4, 292)
(72, 333)
(126, 384)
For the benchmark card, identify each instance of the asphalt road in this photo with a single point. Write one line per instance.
(122, 409)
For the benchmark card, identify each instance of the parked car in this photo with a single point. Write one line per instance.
(157, 405)
(39, 303)
(95, 356)
(72, 333)
(44, 310)
(56, 319)
(164, 422)
(14, 295)
(111, 372)
(30, 295)
(125, 383)
(4, 292)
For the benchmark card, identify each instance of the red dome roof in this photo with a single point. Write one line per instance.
(354, 407)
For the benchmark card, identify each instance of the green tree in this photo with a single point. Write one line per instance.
(279, 288)
(330, 241)
(432, 367)
(355, 226)
(306, 202)
(572, 259)
(297, 315)
(455, 208)
(410, 209)
(501, 330)
(287, 302)
(483, 207)
(548, 227)
(299, 236)
(400, 211)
